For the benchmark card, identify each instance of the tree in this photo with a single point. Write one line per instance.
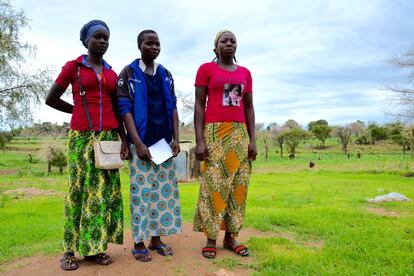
(403, 97)
(56, 158)
(401, 135)
(344, 135)
(5, 137)
(19, 89)
(280, 140)
(187, 102)
(293, 137)
(259, 126)
(363, 138)
(291, 124)
(271, 126)
(277, 136)
(266, 147)
(317, 123)
(321, 132)
(411, 136)
(377, 133)
(357, 128)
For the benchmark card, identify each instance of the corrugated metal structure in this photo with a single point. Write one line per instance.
(187, 167)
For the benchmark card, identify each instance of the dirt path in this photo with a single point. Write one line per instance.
(187, 259)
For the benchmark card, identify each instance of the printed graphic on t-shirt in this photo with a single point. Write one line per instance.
(232, 94)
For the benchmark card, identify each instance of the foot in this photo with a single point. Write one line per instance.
(141, 253)
(101, 258)
(233, 245)
(209, 251)
(160, 247)
(68, 261)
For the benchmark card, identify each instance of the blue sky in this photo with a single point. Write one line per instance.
(310, 60)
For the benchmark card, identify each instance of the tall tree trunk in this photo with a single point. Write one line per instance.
(345, 148)
(412, 143)
(266, 147)
(412, 148)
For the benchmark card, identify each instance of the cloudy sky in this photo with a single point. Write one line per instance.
(310, 59)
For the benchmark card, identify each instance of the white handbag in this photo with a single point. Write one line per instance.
(107, 154)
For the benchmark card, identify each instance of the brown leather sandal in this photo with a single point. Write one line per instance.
(68, 261)
(101, 258)
(141, 255)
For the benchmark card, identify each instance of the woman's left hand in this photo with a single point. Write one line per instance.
(252, 152)
(125, 152)
(175, 148)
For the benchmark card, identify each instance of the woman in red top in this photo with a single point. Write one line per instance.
(225, 143)
(93, 204)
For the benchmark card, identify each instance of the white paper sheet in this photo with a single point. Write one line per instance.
(160, 151)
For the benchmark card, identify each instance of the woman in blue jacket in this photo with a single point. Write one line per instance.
(147, 105)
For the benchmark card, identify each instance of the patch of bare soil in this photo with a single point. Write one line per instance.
(21, 149)
(318, 244)
(10, 171)
(383, 212)
(30, 192)
(187, 259)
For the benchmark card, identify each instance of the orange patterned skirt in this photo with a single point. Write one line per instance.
(224, 180)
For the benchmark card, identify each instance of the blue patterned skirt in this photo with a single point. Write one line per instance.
(154, 198)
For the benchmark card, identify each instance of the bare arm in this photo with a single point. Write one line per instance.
(250, 124)
(176, 138)
(142, 150)
(201, 151)
(125, 153)
(53, 99)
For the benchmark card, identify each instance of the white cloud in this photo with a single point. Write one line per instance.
(310, 59)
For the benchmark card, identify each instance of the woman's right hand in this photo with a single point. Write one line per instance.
(201, 151)
(143, 152)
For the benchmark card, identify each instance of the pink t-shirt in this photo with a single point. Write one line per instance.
(224, 92)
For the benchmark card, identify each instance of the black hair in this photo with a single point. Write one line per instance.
(232, 86)
(140, 37)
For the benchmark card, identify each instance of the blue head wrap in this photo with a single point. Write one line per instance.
(90, 28)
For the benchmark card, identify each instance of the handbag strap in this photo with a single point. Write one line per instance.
(85, 105)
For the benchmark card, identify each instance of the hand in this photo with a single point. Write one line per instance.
(175, 148)
(143, 152)
(201, 151)
(252, 152)
(125, 152)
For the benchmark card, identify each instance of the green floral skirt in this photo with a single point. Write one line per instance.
(93, 204)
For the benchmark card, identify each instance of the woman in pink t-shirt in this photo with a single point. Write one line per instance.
(225, 137)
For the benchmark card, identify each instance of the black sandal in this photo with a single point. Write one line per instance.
(101, 258)
(68, 261)
(163, 250)
(141, 255)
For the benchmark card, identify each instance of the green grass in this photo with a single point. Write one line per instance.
(316, 219)
(30, 227)
(330, 208)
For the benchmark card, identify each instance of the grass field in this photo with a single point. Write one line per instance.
(316, 220)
